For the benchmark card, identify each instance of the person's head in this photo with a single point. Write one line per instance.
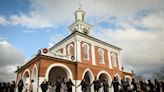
(58, 80)
(115, 78)
(32, 81)
(133, 79)
(149, 81)
(155, 80)
(95, 78)
(83, 80)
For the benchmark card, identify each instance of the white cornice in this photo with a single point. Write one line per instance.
(87, 39)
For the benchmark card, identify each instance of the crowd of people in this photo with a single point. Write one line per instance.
(123, 85)
(62, 85)
(7, 86)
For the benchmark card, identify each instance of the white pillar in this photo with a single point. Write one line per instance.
(109, 60)
(119, 61)
(93, 54)
(79, 88)
(41, 79)
(78, 50)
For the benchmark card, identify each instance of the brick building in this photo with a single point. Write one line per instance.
(77, 56)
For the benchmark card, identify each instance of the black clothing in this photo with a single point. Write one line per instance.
(96, 85)
(134, 85)
(44, 86)
(125, 85)
(83, 86)
(157, 86)
(12, 87)
(69, 85)
(4, 87)
(151, 86)
(115, 84)
(0, 87)
(106, 86)
(162, 86)
(20, 86)
(58, 86)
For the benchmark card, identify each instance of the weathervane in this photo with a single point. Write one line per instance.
(79, 5)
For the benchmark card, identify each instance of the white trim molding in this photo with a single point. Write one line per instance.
(90, 74)
(68, 71)
(28, 71)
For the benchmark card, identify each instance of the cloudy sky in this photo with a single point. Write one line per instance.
(136, 26)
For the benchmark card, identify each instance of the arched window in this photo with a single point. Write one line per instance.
(114, 59)
(85, 51)
(101, 56)
(70, 50)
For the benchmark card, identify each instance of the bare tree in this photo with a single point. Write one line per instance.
(159, 74)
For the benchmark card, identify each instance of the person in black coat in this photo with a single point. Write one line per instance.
(96, 85)
(58, 85)
(162, 86)
(151, 86)
(157, 85)
(0, 87)
(115, 83)
(20, 85)
(69, 85)
(44, 86)
(125, 84)
(84, 85)
(134, 84)
(106, 85)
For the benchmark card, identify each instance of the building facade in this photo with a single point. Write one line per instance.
(78, 56)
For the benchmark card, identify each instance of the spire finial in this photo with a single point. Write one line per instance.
(79, 5)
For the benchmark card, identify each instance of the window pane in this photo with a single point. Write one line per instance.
(71, 51)
(85, 52)
(101, 56)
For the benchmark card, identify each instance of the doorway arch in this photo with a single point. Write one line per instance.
(34, 77)
(89, 77)
(102, 75)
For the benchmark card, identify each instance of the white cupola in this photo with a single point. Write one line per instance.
(79, 24)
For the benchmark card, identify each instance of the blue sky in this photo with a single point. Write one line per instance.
(136, 26)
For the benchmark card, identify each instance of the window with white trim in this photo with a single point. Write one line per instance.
(70, 50)
(101, 56)
(85, 51)
(114, 59)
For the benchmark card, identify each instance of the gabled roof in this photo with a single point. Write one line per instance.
(86, 36)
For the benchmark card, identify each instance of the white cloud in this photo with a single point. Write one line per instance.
(3, 21)
(55, 39)
(10, 58)
(30, 21)
(51, 13)
(154, 21)
(142, 48)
